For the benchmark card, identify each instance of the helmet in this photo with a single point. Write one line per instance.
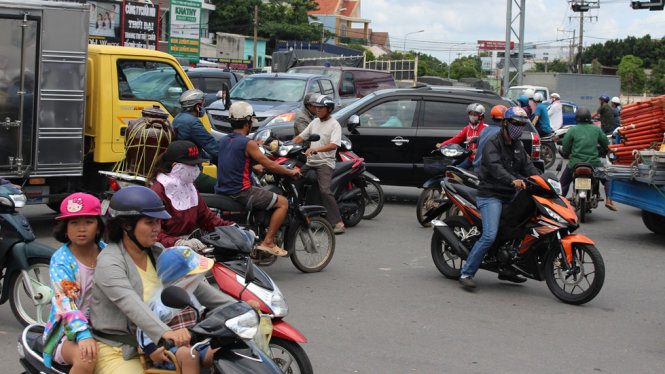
(79, 204)
(556, 96)
(240, 110)
(497, 112)
(616, 100)
(475, 107)
(523, 100)
(529, 92)
(583, 115)
(137, 201)
(516, 116)
(177, 262)
(323, 101)
(308, 98)
(538, 97)
(605, 98)
(190, 98)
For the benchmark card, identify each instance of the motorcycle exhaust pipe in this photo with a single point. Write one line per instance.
(450, 238)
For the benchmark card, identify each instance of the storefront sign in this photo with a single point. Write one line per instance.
(184, 40)
(141, 25)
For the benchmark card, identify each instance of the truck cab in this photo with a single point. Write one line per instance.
(517, 91)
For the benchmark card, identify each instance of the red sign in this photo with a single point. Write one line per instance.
(494, 45)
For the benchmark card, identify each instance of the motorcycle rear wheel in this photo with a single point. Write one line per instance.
(426, 202)
(290, 357)
(548, 154)
(373, 199)
(582, 208)
(324, 243)
(444, 257)
(22, 305)
(582, 284)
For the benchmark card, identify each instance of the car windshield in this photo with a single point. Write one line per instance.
(269, 89)
(351, 108)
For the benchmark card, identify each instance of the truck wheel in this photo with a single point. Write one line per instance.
(654, 222)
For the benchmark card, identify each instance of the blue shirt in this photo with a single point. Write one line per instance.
(543, 124)
(233, 173)
(190, 128)
(487, 133)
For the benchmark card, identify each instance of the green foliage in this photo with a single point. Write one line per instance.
(430, 65)
(656, 84)
(611, 52)
(555, 65)
(466, 67)
(369, 56)
(596, 67)
(632, 74)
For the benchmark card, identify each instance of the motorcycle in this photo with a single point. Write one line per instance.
(24, 262)
(229, 273)
(586, 188)
(371, 190)
(440, 166)
(535, 240)
(305, 234)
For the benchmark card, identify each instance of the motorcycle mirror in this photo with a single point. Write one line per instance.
(558, 168)
(314, 137)
(249, 272)
(175, 297)
(353, 122)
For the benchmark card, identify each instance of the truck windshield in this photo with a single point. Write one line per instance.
(269, 89)
(150, 81)
(334, 75)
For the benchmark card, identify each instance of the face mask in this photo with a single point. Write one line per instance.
(185, 173)
(201, 112)
(473, 119)
(514, 132)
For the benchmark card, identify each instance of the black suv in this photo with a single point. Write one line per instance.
(394, 129)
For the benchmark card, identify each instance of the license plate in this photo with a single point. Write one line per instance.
(583, 183)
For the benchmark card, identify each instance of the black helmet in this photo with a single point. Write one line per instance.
(583, 115)
(137, 201)
(324, 101)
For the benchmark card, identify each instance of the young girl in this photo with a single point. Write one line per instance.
(67, 337)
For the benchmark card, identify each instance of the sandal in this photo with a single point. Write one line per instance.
(275, 250)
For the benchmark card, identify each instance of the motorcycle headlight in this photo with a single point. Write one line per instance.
(556, 185)
(245, 325)
(262, 136)
(346, 144)
(285, 149)
(555, 215)
(278, 305)
(450, 152)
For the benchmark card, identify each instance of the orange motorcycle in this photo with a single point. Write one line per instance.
(535, 240)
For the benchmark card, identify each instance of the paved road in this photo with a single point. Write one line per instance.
(382, 307)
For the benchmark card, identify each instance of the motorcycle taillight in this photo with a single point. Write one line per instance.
(535, 146)
(115, 186)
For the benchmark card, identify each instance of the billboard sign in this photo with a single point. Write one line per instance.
(494, 45)
(229, 63)
(105, 23)
(184, 40)
(140, 25)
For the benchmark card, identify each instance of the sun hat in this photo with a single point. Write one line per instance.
(79, 204)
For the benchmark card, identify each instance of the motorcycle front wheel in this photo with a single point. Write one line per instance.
(354, 218)
(583, 281)
(582, 208)
(373, 199)
(444, 257)
(290, 357)
(426, 201)
(24, 308)
(324, 246)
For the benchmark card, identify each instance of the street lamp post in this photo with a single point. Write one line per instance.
(407, 34)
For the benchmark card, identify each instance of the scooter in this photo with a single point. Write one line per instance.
(230, 273)
(24, 262)
(371, 190)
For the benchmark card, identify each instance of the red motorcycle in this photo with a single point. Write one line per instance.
(535, 240)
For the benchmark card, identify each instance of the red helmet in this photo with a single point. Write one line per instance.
(497, 112)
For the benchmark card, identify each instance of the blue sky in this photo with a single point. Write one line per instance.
(454, 26)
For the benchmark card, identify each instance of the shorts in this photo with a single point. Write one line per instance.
(202, 349)
(57, 352)
(262, 199)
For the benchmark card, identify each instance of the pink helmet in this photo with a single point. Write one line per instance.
(79, 204)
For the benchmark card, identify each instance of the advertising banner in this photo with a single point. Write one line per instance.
(105, 23)
(229, 63)
(185, 28)
(141, 25)
(494, 45)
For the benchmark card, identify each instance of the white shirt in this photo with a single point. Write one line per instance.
(330, 132)
(556, 115)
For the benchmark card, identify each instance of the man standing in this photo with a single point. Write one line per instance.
(504, 164)
(237, 153)
(541, 120)
(605, 114)
(555, 111)
(321, 154)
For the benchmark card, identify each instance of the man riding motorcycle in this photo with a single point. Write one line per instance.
(498, 121)
(472, 130)
(504, 165)
(581, 143)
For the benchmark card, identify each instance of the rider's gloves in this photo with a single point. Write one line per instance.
(194, 244)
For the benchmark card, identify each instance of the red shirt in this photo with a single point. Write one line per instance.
(184, 222)
(467, 134)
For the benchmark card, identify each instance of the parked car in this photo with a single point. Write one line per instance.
(394, 129)
(351, 83)
(276, 98)
(212, 80)
(569, 109)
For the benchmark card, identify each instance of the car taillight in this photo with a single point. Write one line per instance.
(114, 184)
(535, 145)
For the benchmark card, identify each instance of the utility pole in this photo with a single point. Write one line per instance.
(579, 47)
(256, 27)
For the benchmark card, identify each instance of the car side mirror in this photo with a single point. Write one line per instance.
(353, 122)
(220, 95)
(174, 91)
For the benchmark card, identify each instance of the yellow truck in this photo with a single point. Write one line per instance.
(65, 105)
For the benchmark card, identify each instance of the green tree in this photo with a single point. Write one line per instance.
(596, 67)
(466, 67)
(656, 84)
(555, 65)
(632, 74)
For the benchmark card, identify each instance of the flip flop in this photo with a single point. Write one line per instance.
(276, 251)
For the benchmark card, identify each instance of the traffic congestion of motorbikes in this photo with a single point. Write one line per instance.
(535, 240)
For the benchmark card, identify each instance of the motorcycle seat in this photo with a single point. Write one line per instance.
(222, 202)
(34, 340)
(468, 193)
(342, 167)
(583, 168)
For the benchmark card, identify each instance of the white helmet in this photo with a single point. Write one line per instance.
(556, 96)
(529, 93)
(190, 98)
(475, 107)
(537, 97)
(241, 110)
(616, 100)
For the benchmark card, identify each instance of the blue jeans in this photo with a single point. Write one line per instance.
(490, 209)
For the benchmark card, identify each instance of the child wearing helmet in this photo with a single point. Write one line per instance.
(469, 133)
(125, 278)
(67, 337)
